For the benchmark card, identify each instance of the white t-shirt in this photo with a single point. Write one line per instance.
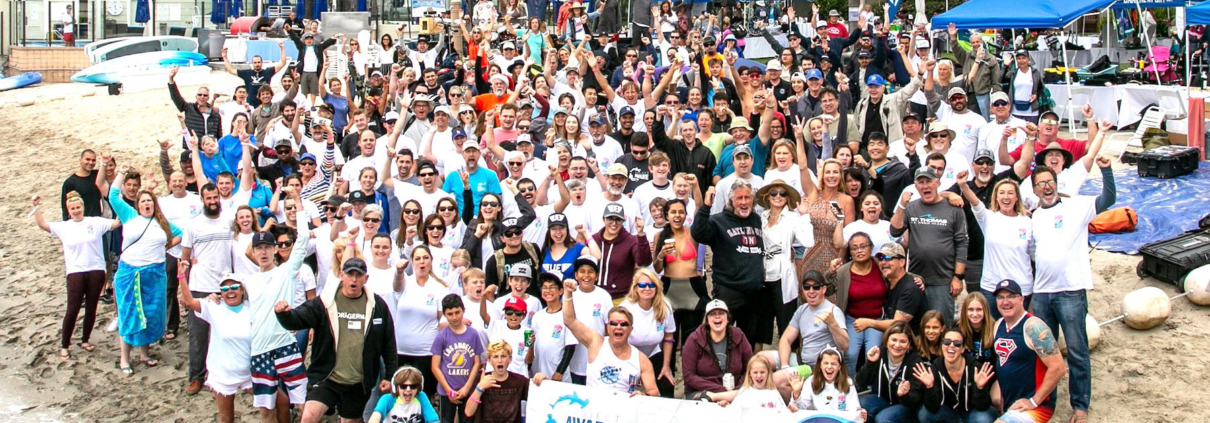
(229, 361)
(1008, 243)
(606, 153)
(535, 233)
(595, 210)
(550, 337)
(319, 147)
(351, 172)
(723, 188)
(532, 305)
(760, 398)
(646, 333)
(81, 240)
(1061, 240)
(428, 201)
(210, 241)
(240, 263)
(309, 211)
(880, 233)
(829, 398)
(791, 176)
(515, 338)
(639, 107)
(991, 134)
(417, 312)
(304, 283)
(321, 244)
(898, 150)
(648, 192)
(1023, 90)
(1068, 183)
(591, 309)
(966, 127)
(178, 211)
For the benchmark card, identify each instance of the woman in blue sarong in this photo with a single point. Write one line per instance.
(140, 283)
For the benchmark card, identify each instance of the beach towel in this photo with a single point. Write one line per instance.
(140, 296)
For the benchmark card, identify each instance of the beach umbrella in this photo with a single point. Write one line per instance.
(321, 6)
(301, 10)
(142, 12)
(218, 15)
(236, 8)
(361, 5)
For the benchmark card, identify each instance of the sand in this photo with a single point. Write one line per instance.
(1138, 376)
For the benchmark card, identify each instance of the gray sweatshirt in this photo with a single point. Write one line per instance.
(938, 240)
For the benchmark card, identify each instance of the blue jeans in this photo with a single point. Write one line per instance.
(948, 415)
(938, 298)
(995, 311)
(1067, 310)
(859, 341)
(879, 410)
(984, 109)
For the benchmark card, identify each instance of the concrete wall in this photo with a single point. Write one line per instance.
(57, 64)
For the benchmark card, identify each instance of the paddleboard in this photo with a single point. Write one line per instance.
(137, 45)
(18, 81)
(93, 46)
(108, 72)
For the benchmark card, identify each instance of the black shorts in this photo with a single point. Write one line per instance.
(349, 401)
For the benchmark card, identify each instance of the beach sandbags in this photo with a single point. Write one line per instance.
(1146, 308)
(1094, 334)
(1196, 285)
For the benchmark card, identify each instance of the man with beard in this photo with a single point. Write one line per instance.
(497, 96)
(736, 239)
(743, 171)
(605, 149)
(361, 123)
(905, 302)
(965, 123)
(415, 129)
(200, 118)
(205, 258)
(258, 75)
(84, 182)
(479, 179)
(637, 162)
(986, 79)
(616, 177)
(428, 192)
(507, 131)
(982, 185)
(912, 144)
(1072, 174)
(1063, 274)
(991, 135)
(938, 231)
(263, 114)
(535, 194)
(179, 207)
(288, 83)
(625, 126)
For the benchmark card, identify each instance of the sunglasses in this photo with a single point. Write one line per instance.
(511, 312)
(511, 233)
(938, 135)
(455, 94)
(427, 174)
(951, 343)
(811, 287)
(411, 211)
(639, 152)
(515, 163)
(489, 204)
(289, 208)
(285, 244)
(779, 193)
(1000, 104)
(526, 189)
(983, 162)
(434, 228)
(1048, 122)
(523, 127)
(371, 220)
(619, 323)
(645, 285)
(232, 287)
(306, 163)
(330, 209)
(447, 209)
(409, 387)
(884, 257)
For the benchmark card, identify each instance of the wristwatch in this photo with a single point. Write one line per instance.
(960, 276)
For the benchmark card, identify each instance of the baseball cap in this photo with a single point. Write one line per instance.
(306, 156)
(956, 91)
(335, 200)
(911, 115)
(284, 142)
(557, 219)
(867, 34)
(510, 223)
(231, 277)
(585, 261)
(615, 210)
(514, 303)
(626, 111)
(999, 96)
(520, 270)
(597, 119)
(716, 304)
(1021, 52)
(925, 172)
(863, 54)
(617, 169)
(893, 250)
(308, 35)
(525, 138)
(357, 197)
(469, 145)
(508, 45)
(875, 79)
(443, 109)
(375, 73)
(814, 74)
(261, 238)
(798, 76)
(983, 153)
(821, 24)
(741, 149)
(560, 110)
(1007, 285)
(457, 133)
(354, 265)
(922, 42)
(390, 116)
(774, 65)
(186, 156)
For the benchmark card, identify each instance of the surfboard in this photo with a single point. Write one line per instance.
(18, 81)
(137, 45)
(93, 46)
(109, 72)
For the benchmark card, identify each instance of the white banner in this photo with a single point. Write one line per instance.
(557, 402)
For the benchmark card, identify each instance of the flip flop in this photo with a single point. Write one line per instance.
(64, 354)
(150, 362)
(170, 336)
(127, 371)
(87, 347)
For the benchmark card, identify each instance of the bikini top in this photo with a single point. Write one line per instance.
(686, 254)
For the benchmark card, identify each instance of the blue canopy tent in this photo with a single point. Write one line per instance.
(999, 14)
(1198, 14)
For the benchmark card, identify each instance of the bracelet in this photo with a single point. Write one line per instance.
(475, 400)
(1031, 401)
(350, 244)
(478, 389)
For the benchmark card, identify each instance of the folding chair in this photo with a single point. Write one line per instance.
(1133, 142)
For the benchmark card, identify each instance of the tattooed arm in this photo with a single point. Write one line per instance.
(1039, 338)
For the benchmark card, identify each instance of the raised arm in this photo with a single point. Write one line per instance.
(1094, 146)
(587, 337)
(186, 297)
(1024, 166)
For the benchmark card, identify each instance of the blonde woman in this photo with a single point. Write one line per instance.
(784, 166)
(828, 208)
(84, 257)
(1008, 238)
(757, 391)
(653, 327)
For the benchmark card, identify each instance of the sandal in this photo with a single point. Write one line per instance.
(127, 371)
(64, 354)
(87, 347)
(169, 336)
(150, 361)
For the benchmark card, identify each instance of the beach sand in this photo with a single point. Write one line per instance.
(1138, 376)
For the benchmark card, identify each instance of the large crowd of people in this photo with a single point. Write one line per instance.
(416, 229)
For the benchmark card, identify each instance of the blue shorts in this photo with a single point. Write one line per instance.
(281, 367)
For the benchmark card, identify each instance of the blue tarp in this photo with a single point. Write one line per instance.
(1000, 14)
(1198, 14)
(1147, 4)
(1166, 207)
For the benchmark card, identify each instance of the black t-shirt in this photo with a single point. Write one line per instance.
(906, 297)
(253, 80)
(638, 171)
(974, 251)
(781, 91)
(873, 122)
(503, 404)
(501, 281)
(87, 188)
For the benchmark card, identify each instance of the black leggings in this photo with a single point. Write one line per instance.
(657, 365)
(173, 304)
(82, 287)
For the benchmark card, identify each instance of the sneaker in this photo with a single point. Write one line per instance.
(194, 387)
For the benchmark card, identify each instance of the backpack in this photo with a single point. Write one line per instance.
(529, 249)
(1119, 220)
